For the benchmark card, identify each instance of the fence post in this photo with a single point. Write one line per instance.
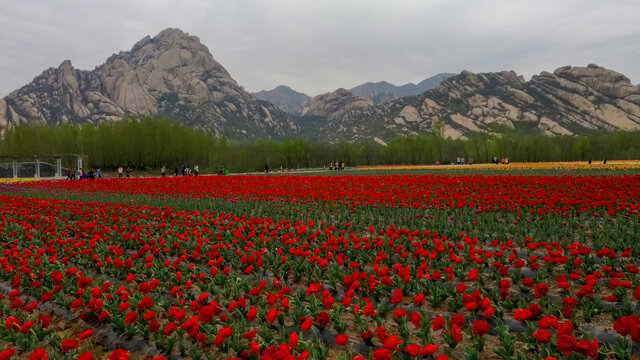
(59, 167)
(37, 163)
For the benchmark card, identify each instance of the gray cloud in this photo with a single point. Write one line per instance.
(318, 46)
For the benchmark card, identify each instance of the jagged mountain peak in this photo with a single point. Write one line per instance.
(172, 33)
(66, 64)
(172, 74)
(170, 37)
(171, 48)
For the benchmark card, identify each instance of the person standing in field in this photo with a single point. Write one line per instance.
(163, 170)
(99, 172)
(196, 169)
(128, 171)
(119, 171)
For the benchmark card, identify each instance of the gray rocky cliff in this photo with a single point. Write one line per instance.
(172, 74)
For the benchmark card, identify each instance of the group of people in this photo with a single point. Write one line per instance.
(91, 174)
(185, 170)
(80, 174)
(497, 161)
(338, 165)
(120, 170)
(461, 161)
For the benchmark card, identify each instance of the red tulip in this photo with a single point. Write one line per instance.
(119, 354)
(480, 327)
(543, 335)
(131, 318)
(397, 296)
(69, 344)
(87, 355)
(85, 334)
(429, 350)
(306, 324)
(437, 323)
(413, 350)
(293, 340)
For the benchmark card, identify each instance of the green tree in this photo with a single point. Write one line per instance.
(437, 131)
(581, 146)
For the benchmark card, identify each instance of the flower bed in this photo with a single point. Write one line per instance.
(316, 267)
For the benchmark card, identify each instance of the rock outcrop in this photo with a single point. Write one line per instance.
(335, 105)
(171, 74)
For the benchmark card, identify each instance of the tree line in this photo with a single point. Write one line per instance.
(150, 143)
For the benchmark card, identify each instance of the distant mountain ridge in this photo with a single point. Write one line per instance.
(383, 91)
(174, 75)
(285, 98)
(295, 102)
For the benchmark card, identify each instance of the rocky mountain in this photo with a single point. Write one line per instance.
(571, 100)
(381, 92)
(171, 74)
(285, 98)
(174, 75)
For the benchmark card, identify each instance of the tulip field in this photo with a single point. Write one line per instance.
(321, 267)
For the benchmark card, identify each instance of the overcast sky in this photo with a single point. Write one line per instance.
(318, 46)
